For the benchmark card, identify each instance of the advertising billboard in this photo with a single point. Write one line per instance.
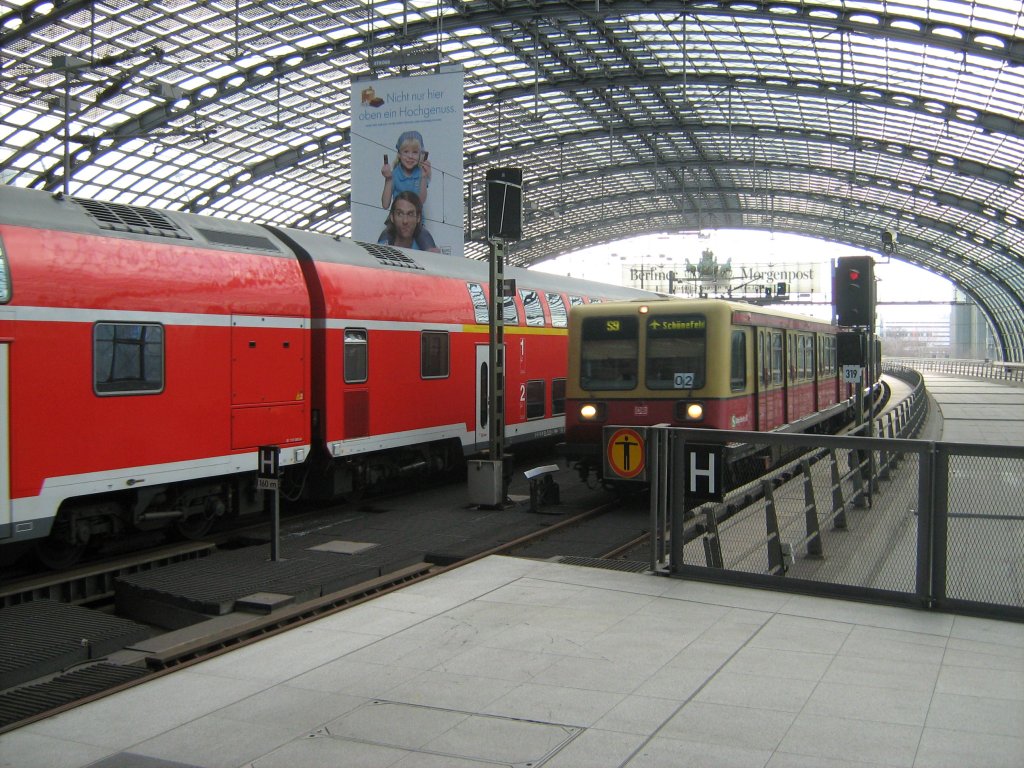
(406, 142)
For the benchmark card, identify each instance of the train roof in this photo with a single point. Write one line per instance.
(672, 303)
(54, 211)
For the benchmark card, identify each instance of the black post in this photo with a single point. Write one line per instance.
(496, 385)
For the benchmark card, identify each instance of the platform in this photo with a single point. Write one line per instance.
(513, 662)
(976, 410)
(516, 661)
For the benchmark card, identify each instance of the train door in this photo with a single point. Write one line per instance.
(268, 383)
(770, 372)
(762, 376)
(776, 400)
(5, 436)
(789, 375)
(483, 432)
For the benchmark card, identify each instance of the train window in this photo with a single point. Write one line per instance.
(576, 301)
(535, 397)
(556, 306)
(532, 307)
(738, 361)
(510, 310)
(557, 397)
(128, 358)
(434, 354)
(676, 350)
(777, 359)
(479, 299)
(356, 356)
(608, 352)
(809, 357)
(5, 278)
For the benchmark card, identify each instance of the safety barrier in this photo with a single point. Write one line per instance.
(885, 518)
(987, 369)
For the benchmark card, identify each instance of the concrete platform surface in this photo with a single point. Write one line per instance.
(978, 410)
(513, 662)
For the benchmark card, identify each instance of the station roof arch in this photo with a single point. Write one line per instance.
(835, 119)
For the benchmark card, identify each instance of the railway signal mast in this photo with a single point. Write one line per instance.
(853, 294)
(487, 479)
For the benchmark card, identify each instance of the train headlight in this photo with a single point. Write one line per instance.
(689, 410)
(592, 412)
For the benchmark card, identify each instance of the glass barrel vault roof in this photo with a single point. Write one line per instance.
(835, 119)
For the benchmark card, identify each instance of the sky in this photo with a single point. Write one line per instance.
(896, 281)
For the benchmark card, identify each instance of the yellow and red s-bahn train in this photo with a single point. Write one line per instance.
(706, 363)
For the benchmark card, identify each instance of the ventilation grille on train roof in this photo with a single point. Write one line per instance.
(390, 257)
(128, 218)
(239, 240)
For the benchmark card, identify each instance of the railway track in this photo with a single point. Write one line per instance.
(92, 586)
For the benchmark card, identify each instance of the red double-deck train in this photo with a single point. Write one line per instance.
(145, 355)
(706, 363)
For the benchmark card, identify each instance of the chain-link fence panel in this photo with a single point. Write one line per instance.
(984, 528)
(895, 520)
(828, 517)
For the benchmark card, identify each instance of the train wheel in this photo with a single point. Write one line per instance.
(58, 555)
(194, 526)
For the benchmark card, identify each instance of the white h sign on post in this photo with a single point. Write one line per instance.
(268, 479)
(704, 476)
(269, 468)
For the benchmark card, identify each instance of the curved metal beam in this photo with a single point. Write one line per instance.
(926, 223)
(860, 179)
(948, 35)
(152, 120)
(802, 224)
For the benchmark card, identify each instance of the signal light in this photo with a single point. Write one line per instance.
(853, 291)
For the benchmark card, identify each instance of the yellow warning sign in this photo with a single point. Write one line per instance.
(626, 453)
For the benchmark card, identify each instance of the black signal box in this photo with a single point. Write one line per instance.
(850, 348)
(505, 203)
(853, 291)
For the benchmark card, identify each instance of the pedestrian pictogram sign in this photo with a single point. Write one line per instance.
(626, 453)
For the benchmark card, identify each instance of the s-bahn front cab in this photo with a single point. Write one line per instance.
(636, 364)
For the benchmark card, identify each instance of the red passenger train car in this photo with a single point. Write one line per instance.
(705, 363)
(145, 355)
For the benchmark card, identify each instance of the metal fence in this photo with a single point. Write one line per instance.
(885, 518)
(985, 369)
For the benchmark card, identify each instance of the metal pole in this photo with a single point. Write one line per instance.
(67, 134)
(677, 501)
(275, 528)
(496, 385)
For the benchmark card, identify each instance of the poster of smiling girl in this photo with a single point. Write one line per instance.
(406, 144)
